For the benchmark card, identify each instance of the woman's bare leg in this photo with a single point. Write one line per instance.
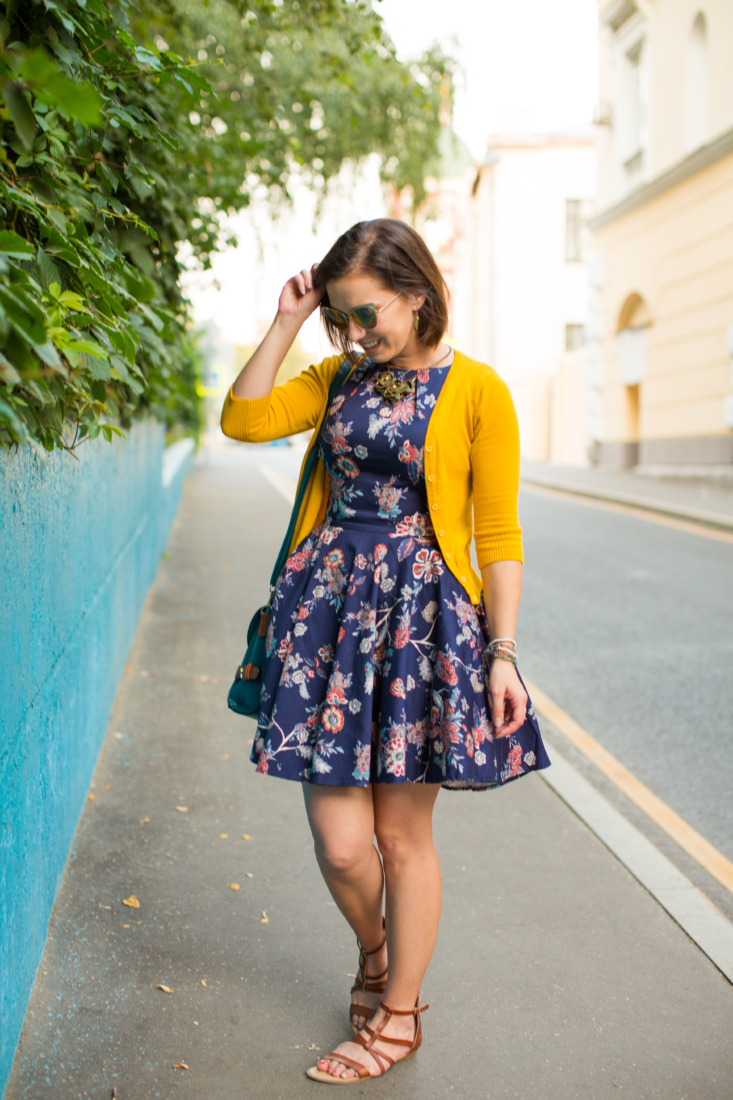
(403, 825)
(342, 823)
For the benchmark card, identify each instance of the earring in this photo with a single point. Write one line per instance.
(417, 319)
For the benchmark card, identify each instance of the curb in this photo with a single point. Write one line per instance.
(641, 504)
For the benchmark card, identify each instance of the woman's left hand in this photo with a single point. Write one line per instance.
(508, 698)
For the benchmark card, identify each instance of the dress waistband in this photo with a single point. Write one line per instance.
(376, 527)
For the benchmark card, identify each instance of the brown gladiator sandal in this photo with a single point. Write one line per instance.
(375, 984)
(384, 1061)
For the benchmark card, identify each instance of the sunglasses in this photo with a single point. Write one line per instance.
(365, 316)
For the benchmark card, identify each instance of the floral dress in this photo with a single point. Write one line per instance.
(375, 668)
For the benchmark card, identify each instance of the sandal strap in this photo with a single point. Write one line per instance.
(378, 1056)
(361, 1070)
(361, 1010)
(374, 984)
(405, 1011)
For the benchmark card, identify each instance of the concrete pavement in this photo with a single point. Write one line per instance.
(556, 974)
(707, 502)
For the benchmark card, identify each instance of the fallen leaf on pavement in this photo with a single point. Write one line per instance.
(91, 797)
(223, 836)
(204, 984)
(144, 820)
(164, 988)
(249, 874)
(264, 919)
(131, 902)
(180, 1065)
(234, 886)
(245, 837)
(125, 925)
(182, 809)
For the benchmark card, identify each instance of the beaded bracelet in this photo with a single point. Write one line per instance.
(504, 656)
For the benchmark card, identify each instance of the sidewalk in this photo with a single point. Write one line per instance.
(691, 500)
(556, 975)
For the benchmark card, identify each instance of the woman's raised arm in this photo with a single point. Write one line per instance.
(297, 301)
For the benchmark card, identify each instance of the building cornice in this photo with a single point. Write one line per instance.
(678, 173)
(617, 12)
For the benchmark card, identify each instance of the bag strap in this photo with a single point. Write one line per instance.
(336, 384)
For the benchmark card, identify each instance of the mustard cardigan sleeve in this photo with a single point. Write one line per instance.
(293, 407)
(495, 475)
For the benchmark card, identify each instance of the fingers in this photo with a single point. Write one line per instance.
(508, 708)
(304, 281)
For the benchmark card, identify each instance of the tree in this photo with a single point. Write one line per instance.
(118, 144)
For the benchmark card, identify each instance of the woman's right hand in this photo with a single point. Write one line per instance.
(299, 298)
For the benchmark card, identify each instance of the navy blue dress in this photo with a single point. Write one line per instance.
(375, 668)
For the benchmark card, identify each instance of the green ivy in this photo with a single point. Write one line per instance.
(113, 152)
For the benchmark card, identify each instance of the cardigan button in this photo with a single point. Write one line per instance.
(463, 578)
(441, 532)
(431, 477)
(447, 554)
(428, 448)
(434, 507)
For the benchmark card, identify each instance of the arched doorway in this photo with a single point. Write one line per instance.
(632, 334)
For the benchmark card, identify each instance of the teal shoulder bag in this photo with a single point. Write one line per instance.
(244, 694)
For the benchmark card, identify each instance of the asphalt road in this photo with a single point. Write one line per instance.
(628, 626)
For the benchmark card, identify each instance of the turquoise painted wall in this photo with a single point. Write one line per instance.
(80, 542)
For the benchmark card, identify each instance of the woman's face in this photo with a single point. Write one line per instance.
(394, 333)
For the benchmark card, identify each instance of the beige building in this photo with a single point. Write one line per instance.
(659, 387)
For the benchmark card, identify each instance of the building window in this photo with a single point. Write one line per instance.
(634, 111)
(697, 84)
(576, 213)
(574, 337)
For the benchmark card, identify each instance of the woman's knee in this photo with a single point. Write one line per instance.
(342, 854)
(398, 846)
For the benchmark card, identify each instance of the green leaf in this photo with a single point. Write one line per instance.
(181, 79)
(11, 244)
(47, 271)
(21, 114)
(8, 373)
(80, 101)
(147, 57)
(47, 354)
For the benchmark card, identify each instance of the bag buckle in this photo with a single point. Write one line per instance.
(248, 672)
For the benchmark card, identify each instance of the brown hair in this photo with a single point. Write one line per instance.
(391, 251)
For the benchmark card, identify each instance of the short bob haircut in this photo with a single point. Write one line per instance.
(391, 251)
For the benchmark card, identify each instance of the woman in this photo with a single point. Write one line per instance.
(388, 672)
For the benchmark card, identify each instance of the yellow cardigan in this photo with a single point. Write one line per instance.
(471, 458)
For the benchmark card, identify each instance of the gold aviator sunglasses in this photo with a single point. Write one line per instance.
(365, 316)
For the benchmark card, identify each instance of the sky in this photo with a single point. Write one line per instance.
(528, 65)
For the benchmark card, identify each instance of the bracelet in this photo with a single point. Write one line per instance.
(495, 641)
(504, 655)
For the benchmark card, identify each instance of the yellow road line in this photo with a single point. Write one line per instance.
(638, 511)
(714, 862)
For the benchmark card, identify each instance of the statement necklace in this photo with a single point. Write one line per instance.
(393, 390)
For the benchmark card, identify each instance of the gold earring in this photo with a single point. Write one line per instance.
(417, 319)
